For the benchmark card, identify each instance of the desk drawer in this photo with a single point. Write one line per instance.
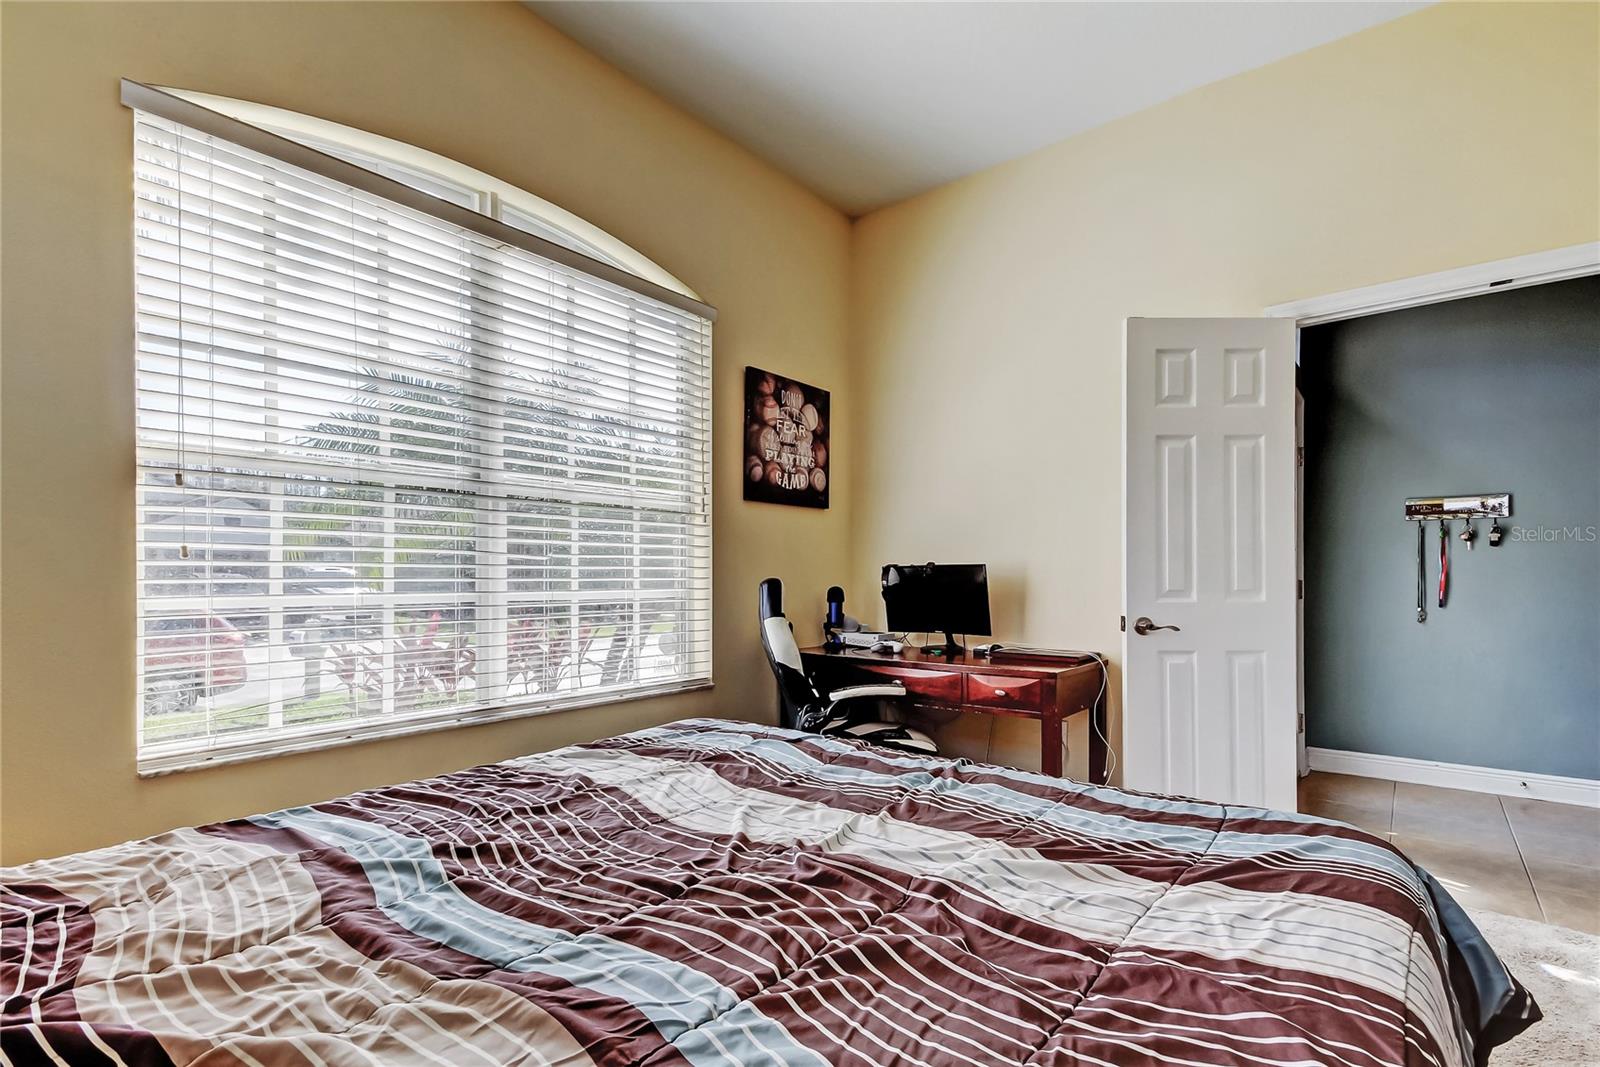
(925, 687)
(1004, 691)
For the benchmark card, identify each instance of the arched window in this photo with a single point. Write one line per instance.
(401, 465)
(444, 178)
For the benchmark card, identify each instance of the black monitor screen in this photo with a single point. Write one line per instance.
(937, 597)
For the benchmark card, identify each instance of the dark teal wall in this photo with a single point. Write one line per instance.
(1496, 393)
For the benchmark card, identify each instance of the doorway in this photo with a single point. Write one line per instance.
(1211, 650)
(1412, 392)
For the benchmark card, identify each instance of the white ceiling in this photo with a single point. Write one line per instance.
(869, 102)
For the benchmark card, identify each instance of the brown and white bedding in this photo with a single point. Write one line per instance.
(720, 894)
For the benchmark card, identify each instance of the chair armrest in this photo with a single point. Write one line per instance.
(877, 689)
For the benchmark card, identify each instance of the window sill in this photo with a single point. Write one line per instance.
(165, 760)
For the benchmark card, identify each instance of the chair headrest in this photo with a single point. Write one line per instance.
(770, 596)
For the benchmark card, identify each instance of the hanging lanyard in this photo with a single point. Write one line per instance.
(1422, 572)
(1444, 560)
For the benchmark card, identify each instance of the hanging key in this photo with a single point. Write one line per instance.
(1495, 534)
(1468, 534)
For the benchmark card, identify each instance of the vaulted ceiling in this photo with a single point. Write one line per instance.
(869, 103)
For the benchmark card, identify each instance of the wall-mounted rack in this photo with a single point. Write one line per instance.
(1479, 506)
(1441, 509)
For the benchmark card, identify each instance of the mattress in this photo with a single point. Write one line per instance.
(721, 894)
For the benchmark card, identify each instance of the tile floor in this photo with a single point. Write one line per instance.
(1528, 858)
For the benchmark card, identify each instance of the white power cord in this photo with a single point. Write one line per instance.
(1105, 682)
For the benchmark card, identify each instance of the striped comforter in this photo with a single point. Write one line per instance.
(720, 894)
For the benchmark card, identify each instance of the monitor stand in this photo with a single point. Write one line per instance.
(949, 650)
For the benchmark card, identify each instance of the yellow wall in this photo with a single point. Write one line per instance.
(987, 314)
(976, 393)
(488, 84)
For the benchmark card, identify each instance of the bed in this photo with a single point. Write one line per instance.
(721, 894)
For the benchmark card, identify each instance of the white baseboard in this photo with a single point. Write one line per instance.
(1554, 787)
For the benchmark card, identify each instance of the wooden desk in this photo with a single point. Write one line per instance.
(1033, 689)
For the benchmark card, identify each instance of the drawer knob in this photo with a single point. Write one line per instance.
(999, 692)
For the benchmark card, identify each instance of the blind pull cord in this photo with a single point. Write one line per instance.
(183, 378)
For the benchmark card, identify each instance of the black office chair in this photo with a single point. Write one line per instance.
(848, 712)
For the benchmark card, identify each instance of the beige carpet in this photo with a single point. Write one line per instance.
(1561, 968)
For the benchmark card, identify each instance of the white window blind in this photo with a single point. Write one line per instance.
(392, 472)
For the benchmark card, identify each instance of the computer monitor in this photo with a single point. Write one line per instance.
(948, 598)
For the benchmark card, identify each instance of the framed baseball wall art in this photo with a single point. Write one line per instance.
(785, 440)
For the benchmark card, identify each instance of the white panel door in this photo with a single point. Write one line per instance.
(1209, 701)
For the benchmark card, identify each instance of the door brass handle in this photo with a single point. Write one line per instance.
(1142, 625)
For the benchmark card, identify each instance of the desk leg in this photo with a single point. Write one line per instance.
(1097, 741)
(1050, 744)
